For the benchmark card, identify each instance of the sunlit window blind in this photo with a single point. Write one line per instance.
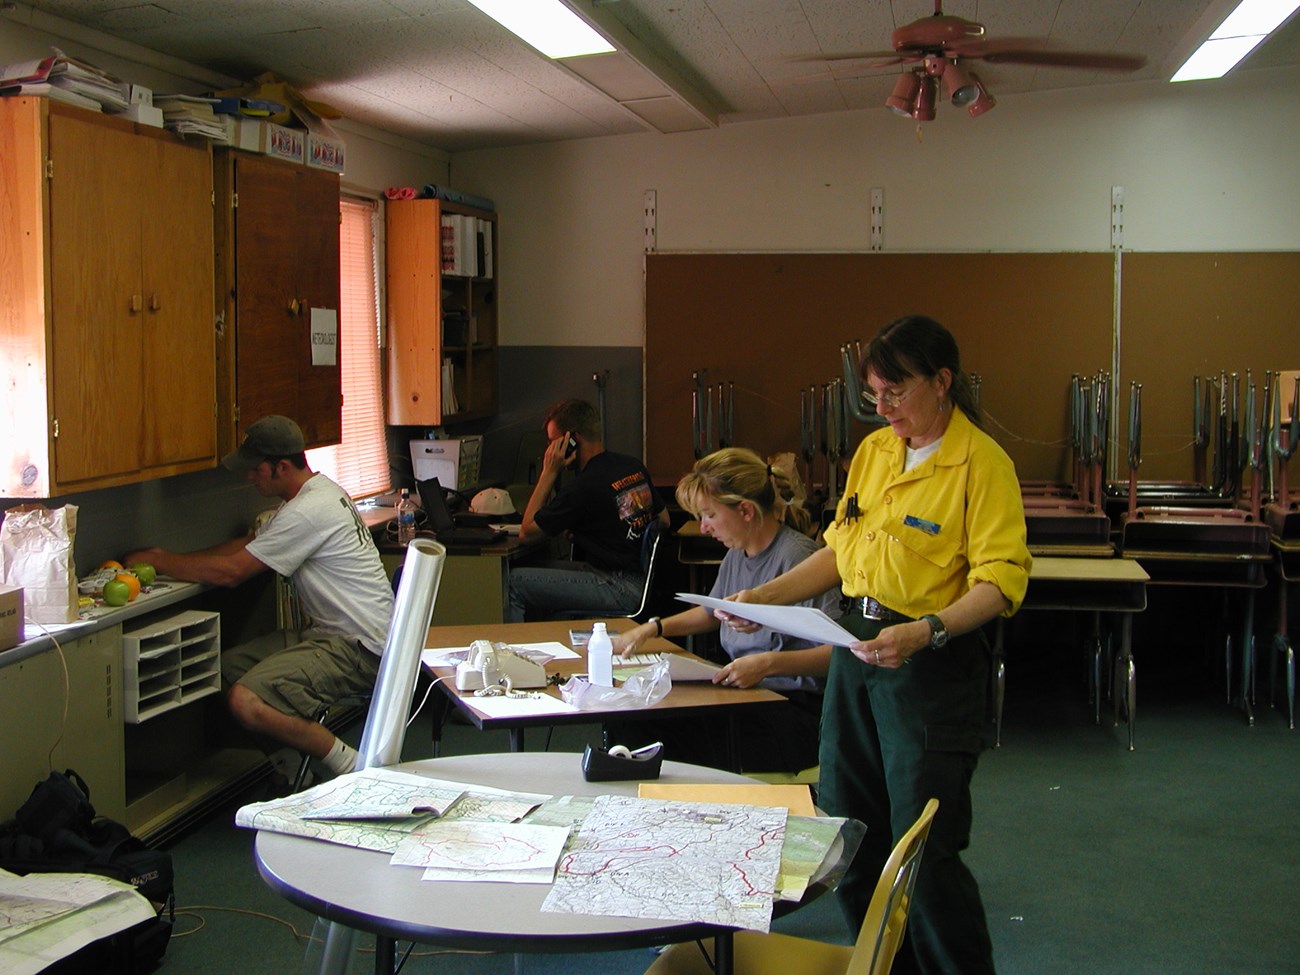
(359, 464)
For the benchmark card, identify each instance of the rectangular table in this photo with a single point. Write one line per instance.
(685, 698)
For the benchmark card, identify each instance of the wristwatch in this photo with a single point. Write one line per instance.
(938, 632)
(659, 625)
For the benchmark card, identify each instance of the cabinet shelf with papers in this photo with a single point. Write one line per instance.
(168, 662)
(442, 312)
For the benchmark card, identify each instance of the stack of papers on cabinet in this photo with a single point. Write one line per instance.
(66, 79)
(191, 115)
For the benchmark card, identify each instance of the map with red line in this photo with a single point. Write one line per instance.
(674, 861)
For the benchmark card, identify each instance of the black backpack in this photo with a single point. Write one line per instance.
(56, 831)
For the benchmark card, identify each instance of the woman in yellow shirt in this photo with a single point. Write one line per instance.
(928, 544)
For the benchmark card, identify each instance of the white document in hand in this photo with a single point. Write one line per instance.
(806, 622)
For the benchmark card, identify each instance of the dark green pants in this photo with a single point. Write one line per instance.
(891, 740)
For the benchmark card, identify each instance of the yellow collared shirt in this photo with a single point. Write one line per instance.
(926, 536)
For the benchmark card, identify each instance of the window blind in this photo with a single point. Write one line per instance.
(359, 464)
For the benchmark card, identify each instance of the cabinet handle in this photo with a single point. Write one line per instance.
(155, 303)
(295, 307)
(135, 304)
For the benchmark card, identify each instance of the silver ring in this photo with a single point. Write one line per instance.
(877, 653)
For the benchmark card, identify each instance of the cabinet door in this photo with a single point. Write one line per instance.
(320, 388)
(179, 365)
(286, 263)
(96, 320)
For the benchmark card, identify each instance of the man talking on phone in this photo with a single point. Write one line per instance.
(605, 509)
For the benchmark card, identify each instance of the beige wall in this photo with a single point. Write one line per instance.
(1204, 166)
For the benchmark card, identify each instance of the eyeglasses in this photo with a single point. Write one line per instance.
(891, 400)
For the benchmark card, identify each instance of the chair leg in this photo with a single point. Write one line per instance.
(301, 777)
(1282, 646)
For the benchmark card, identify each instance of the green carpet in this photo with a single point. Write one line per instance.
(1180, 857)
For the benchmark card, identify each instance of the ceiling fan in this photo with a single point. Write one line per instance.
(935, 49)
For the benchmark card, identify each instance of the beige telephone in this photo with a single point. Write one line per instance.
(490, 664)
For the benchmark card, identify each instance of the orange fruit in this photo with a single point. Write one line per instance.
(111, 564)
(132, 584)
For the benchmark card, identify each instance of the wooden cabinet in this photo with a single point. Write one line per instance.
(277, 249)
(106, 313)
(441, 325)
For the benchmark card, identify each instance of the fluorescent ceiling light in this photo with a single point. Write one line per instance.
(547, 25)
(1238, 35)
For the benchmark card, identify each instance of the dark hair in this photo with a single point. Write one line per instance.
(916, 345)
(735, 474)
(575, 416)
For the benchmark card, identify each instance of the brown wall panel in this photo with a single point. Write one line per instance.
(1188, 315)
(773, 324)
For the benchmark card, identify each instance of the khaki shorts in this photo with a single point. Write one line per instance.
(301, 674)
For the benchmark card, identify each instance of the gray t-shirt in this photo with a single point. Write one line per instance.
(739, 571)
(319, 541)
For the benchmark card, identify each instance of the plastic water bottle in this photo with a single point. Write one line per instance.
(600, 657)
(405, 518)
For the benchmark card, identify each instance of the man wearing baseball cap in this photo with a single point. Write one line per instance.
(316, 539)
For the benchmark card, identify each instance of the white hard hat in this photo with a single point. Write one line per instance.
(492, 501)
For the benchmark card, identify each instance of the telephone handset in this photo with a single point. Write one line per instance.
(570, 445)
(492, 664)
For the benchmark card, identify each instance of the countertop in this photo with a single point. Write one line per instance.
(40, 637)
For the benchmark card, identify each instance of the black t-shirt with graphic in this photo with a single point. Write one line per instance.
(606, 508)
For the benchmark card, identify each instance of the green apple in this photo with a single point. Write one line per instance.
(116, 593)
(145, 573)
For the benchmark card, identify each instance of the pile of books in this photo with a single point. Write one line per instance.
(66, 79)
(191, 115)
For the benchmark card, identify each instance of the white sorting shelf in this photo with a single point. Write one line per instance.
(168, 661)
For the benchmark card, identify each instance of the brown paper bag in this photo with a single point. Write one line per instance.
(36, 554)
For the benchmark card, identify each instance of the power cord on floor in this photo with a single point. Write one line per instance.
(192, 911)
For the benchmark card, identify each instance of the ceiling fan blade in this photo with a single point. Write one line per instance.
(1028, 50)
(845, 56)
(842, 73)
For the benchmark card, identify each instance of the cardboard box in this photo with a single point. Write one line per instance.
(258, 135)
(455, 463)
(11, 616)
(325, 152)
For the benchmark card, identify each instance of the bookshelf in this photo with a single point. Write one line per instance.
(442, 312)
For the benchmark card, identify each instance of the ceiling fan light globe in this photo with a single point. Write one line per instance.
(923, 105)
(959, 86)
(983, 101)
(904, 94)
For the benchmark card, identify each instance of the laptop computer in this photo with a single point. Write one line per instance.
(442, 525)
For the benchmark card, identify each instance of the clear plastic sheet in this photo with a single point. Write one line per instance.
(640, 690)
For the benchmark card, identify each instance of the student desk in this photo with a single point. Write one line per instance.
(696, 549)
(359, 889)
(475, 583)
(1287, 566)
(1096, 585)
(685, 697)
(1220, 548)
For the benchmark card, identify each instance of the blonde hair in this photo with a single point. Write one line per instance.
(735, 474)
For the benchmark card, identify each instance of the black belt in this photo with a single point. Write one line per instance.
(873, 610)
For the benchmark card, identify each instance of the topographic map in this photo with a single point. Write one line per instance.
(376, 809)
(461, 849)
(676, 861)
